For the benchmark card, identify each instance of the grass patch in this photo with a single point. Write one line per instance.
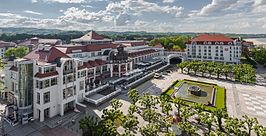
(219, 99)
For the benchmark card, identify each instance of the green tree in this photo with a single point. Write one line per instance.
(234, 126)
(150, 115)
(148, 101)
(18, 52)
(182, 65)
(188, 128)
(226, 70)
(89, 126)
(207, 118)
(116, 104)
(132, 109)
(165, 104)
(199, 108)
(178, 104)
(150, 130)
(107, 128)
(250, 123)
(218, 69)
(220, 114)
(134, 96)
(130, 122)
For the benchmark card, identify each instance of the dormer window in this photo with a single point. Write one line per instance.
(216, 43)
(230, 43)
(205, 42)
(221, 43)
(194, 43)
(209, 42)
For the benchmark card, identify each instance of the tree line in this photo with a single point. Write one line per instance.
(172, 43)
(259, 54)
(243, 73)
(190, 119)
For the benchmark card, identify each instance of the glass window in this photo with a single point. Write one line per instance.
(81, 85)
(46, 97)
(47, 84)
(53, 81)
(38, 98)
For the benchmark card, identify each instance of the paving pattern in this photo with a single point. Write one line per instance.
(255, 103)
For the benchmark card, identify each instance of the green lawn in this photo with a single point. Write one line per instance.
(220, 93)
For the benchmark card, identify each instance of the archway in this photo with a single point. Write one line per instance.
(175, 60)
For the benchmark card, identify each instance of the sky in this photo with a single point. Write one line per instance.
(225, 16)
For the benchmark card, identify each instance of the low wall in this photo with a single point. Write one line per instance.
(140, 81)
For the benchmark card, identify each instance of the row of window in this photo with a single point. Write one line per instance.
(47, 69)
(46, 98)
(93, 54)
(46, 83)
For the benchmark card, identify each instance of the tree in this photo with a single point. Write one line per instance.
(178, 103)
(250, 123)
(165, 104)
(218, 69)
(166, 122)
(89, 126)
(210, 68)
(188, 128)
(150, 130)
(207, 118)
(182, 65)
(132, 109)
(107, 128)
(220, 114)
(18, 52)
(202, 68)
(116, 104)
(234, 126)
(199, 108)
(150, 115)
(148, 101)
(130, 122)
(134, 96)
(226, 70)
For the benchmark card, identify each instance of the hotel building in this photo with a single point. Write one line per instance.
(214, 47)
(52, 79)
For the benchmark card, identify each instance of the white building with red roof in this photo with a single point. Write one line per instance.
(4, 46)
(53, 79)
(214, 47)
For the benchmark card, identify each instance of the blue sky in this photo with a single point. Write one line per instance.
(234, 16)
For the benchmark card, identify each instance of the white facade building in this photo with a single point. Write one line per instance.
(214, 47)
(51, 80)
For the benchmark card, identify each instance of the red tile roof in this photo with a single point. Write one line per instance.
(46, 56)
(43, 75)
(87, 48)
(91, 63)
(200, 39)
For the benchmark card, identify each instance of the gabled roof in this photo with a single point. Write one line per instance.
(46, 55)
(91, 36)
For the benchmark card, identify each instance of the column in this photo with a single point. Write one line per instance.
(61, 109)
(119, 70)
(126, 67)
(41, 115)
(111, 70)
(131, 65)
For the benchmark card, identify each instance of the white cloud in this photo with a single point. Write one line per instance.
(168, 1)
(61, 1)
(33, 12)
